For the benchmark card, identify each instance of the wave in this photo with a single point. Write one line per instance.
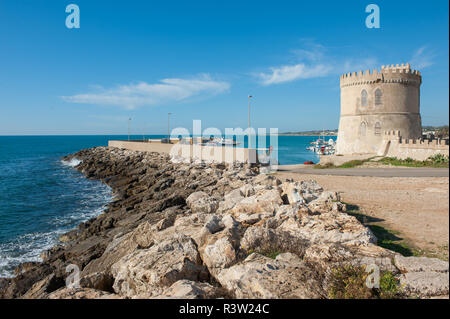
(28, 247)
(72, 163)
(74, 199)
(25, 248)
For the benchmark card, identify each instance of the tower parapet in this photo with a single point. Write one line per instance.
(419, 148)
(388, 74)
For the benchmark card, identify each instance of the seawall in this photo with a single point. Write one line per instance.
(216, 154)
(394, 145)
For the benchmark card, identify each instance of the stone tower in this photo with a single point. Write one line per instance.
(372, 103)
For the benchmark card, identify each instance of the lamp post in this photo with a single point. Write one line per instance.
(249, 125)
(168, 127)
(129, 120)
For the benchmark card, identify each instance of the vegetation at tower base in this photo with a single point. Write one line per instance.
(180, 229)
(349, 164)
(435, 161)
(438, 161)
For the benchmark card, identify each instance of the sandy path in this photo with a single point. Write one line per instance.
(416, 207)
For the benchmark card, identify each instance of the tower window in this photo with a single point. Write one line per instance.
(362, 129)
(363, 98)
(378, 97)
(377, 128)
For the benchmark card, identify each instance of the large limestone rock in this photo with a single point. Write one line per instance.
(310, 186)
(230, 200)
(422, 276)
(261, 239)
(219, 255)
(247, 190)
(418, 264)
(187, 289)
(292, 193)
(329, 256)
(42, 288)
(144, 271)
(266, 180)
(81, 293)
(99, 280)
(368, 255)
(120, 246)
(250, 219)
(425, 284)
(262, 277)
(214, 224)
(325, 202)
(200, 202)
(166, 222)
(329, 227)
(264, 202)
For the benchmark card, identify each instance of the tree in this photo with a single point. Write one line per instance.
(442, 132)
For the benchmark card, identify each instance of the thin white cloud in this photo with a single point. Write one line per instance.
(315, 52)
(288, 73)
(132, 96)
(357, 65)
(312, 62)
(422, 58)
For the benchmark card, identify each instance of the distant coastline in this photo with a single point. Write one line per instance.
(310, 133)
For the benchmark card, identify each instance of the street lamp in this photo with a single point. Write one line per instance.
(129, 120)
(249, 125)
(168, 127)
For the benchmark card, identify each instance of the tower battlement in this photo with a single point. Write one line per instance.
(392, 134)
(395, 135)
(399, 73)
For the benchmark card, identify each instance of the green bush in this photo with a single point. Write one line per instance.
(439, 159)
(352, 163)
(271, 253)
(348, 164)
(326, 165)
(349, 282)
(389, 286)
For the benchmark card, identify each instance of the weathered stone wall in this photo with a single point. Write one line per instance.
(186, 151)
(398, 108)
(416, 149)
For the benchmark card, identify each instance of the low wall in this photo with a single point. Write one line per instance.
(207, 153)
(416, 149)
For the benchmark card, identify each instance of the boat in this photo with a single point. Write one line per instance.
(228, 142)
(322, 147)
(219, 141)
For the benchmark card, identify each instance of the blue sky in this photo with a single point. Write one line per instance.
(201, 59)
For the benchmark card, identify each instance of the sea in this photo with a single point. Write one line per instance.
(42, 197)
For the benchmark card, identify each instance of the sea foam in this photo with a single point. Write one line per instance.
(72, 163)
(74, 199)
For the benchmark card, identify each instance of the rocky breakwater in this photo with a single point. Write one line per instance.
(196, 230)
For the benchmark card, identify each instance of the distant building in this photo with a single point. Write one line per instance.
(375, 102)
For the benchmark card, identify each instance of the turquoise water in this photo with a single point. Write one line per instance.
(42, 197)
